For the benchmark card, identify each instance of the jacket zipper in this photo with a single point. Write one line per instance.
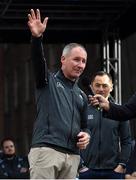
(99, 145)
(70, 134)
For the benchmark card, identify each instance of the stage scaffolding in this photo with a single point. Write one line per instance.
(112, 64)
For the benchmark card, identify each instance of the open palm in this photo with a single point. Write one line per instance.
(35, 25)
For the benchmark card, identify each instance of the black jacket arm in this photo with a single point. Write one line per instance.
(123, 112)
(39, 62)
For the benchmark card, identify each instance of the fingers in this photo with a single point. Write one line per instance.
(29, 18)
(83, 140)
(82, 145)
(33, 14)
(38, 15)
(94, 101)
(45, 21)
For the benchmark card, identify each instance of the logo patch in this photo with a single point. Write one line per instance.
(59, 85)
(90, 116)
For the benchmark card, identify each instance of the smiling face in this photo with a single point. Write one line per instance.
(74, 62)
(8, 147)
(102, 85)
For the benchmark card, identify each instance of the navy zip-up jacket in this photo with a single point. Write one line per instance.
(61, 106)
(110, 142)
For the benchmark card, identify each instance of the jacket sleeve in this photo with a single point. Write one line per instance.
(39, 62)
(122, 112)
(125, 142)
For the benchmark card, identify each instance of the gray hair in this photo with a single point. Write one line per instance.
(67, 49)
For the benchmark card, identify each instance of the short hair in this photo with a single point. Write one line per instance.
(100, 73)
(67, 49)
(6, 139)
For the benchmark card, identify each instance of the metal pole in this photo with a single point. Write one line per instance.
(119, 72)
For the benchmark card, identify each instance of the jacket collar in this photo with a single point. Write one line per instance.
(61, 76)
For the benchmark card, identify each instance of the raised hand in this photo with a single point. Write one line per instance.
(34, 22)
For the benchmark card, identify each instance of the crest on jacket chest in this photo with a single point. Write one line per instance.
(90, 116)
(59, 85)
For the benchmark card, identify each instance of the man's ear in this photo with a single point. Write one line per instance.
(62, 59)
(111, 88)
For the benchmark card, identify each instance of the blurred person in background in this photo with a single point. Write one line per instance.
(12, 166)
